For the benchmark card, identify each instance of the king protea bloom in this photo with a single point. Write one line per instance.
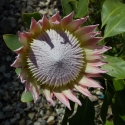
(59, 56)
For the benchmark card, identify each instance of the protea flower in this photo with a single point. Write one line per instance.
(59, 56)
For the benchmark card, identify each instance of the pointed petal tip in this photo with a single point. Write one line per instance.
(70, 95)
(79, 103)
(87, 17)
(32, 19)
(19, 33)
(109, 48)
(63, 99)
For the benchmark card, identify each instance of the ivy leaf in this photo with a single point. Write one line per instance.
(113, 16)
(12, 41)
(28, 16)
(115, 67)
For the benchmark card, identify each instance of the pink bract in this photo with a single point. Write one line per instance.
(59, 56)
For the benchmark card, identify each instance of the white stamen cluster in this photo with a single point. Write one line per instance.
(55, 58)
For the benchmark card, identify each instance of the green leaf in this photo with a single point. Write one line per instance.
(106, 103)
(115, 67)
(113, 16)
(118, 120)
(68, 113)
(109, 123)
(27, 97)
(85, 113)
(82, 8)
(66, 7)
(18, 70)
(118, 84)
(118, 107)
(107, 100)
(12, 41)
(73, 4)
(28, 16)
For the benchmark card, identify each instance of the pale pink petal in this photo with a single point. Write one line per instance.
(55, 17)
(86, 29)
(83, 90)
(90, 41)
(28, 85)
(92, 58)
(66, 20)
(97, 63)
(23, 39)
(71, 96)
(19, 50)
(35, 93)
(56, 22)
(44, 22)
(85, 81)
(63, 99)
(35, 88)
(23, 75)
(18, 63)
(93, 75)
(94, 70)
(48, 96)
(93, 34)
(76, 23)
(29, 36)
(101, 49)
(96, 50)
(35, 26)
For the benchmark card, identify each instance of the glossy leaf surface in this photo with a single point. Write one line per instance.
(113, 16)
(115, 67)
(82, 8)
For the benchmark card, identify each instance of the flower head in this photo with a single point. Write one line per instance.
(58, 56)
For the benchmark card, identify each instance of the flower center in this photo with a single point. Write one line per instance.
(55, 58)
